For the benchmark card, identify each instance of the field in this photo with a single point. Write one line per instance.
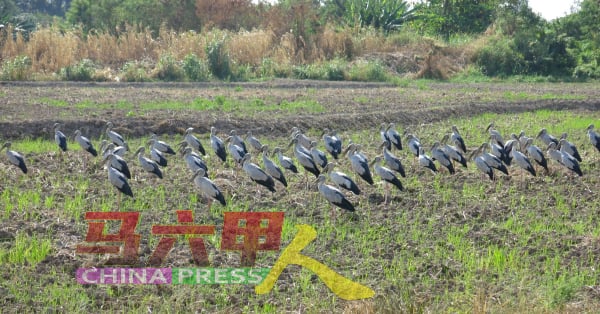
(447, 243)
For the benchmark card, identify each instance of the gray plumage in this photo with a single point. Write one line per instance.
(256, 174)
(157, 156)
(14, 158)
(271, 168)
(333, 144)
(384, 137)
(393, 162)
(341, 179)
(111, 148)
(253, 141)
(386, 174)
(85, 143)
(60, 138)
(317, 155)
(394, 136)
(193, 141)
(161, 146)
(481, 164)
(238, 141)
(546, 137)
(148, 164)
(438, 154)
(284, 161)
(359, 163)
(536, 154)
(117, 178)
(492, 160)
(425, 161)
(333, 195)
(522, 161)
(193, 161)
(414, 145)
(115, 137)
(236, 152)
(454, 152)
(568, 147)
(305, 160)
(457, 139)
(491, 128)
(564, 159)
(303, 140)
(593, 136)
(217, 144)
(208, 187)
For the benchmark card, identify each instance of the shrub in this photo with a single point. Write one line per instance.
(18, 69)
(334, 70)
(195, 69)
(218, 59)
(499, 58)
(134, 72)
(167, 69)
(82, 71)
(369, 71)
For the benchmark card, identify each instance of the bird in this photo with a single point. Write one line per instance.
(60, 138)
(453, 152)
(237, 140)
(457, 139)
(481, 164)
(271, 168)
(593, 136)
(208, 188)
(85, 143)
(393, 136)
(117, 179)
(359, 163)
(157, 156)
(522, 161)
(392, 161)
(217, 144)
(568, 147)
(333, 144)
(253, 141)
(438, 154)
(564, 159)
(193, 161)
(148, 164)
(317, 155)
(386, 175)
(302, 139)
(119, 164)
(341, 179)
(333, 195)
(546, 137)
(256, 174)
(425, 161)
(236, 152)
(193, 141)
(414, 145)
(107, 148)
(536, 154)
(160, 145)
(491, 128)
(305, 160)
(115, 137)
(384, 136)
(286, 162)
(492, 160)
(14, 157)
(497, 149)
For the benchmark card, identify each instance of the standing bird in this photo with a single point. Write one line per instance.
(256, 174)
(107, 148)
(253, 141)
(386, 175)
(341, 179)
(457, 139)
(522, 161)
(114, 136)
(564, 159)
(193, 161)
(425, 161)
(85, 143)
(160, 145)
(491, 128)
(497, 149)
(481, 164)
(148, 164)
(332, 143)
(217, 144)
(438, 154)
(568, 147)
(454, 152)
(208, 188)
(392, 161)
(117, 179)
(394, 136)
(333, 195)
(284, 161)
(536, 154)
(237, 140)
(359, 163)
(271, 168)
(60, 138)
(384, 136)
(593, 136)
(14, 157)
(236, 152)
(157, 156)
(414, 145)
(305, 160)
(492, 160)
(317, 155)
(193, 141)
(119, 164)
(546, 137)
(302, 139)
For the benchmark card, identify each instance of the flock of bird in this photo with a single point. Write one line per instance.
(495, 155)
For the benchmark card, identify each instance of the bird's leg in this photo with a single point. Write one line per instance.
(119, 201)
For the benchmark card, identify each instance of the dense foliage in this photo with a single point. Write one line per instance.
(518, 42)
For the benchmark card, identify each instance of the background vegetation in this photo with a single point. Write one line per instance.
(141, 40)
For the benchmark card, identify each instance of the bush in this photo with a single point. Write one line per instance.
(370, 71)
(499, 58)
(334, 70)
(18, 69)
(82, 71)
(195, 69)
(134, 72)
(167, 69)
(218, 59)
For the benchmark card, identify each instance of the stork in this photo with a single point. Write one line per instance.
(341, 179)
(271, 168)
(359, 163)
(285, 161)
(394, 136)
(386, 175)
(458, 140)
(522, 161)
(86, 145)
(593, 136)
(253, 141)
(217, 144)
(392, 161)
(193, 141)
(160, 145)
(425, 161)
(491, 128)
(256, 174)
(438, 154)
(455, 153)
(492, 160)
(60, 138)
(546, 137)
(317, 155)
(236, 152)
(107, 148)
(237, 140)
(564, 159)
(305, 160)
(497, 149)
(303, 140)
(117, 179)
(14, 158)
(536, 154)
(208, 188)
(568, 147)
(481, 164)
(115, 137)
(384, 136)
(333, 195)
(414, 145)
(148, 164)
(332, 143)
(193, 161)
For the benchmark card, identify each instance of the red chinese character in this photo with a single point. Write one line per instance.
(186, 218)
(126, 236)
(251, 232)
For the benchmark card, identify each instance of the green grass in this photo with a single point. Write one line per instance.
(446, 244)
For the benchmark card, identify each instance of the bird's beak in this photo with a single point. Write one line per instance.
(489, 126)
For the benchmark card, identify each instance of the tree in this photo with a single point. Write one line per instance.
(381, 14)
(8, 9)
